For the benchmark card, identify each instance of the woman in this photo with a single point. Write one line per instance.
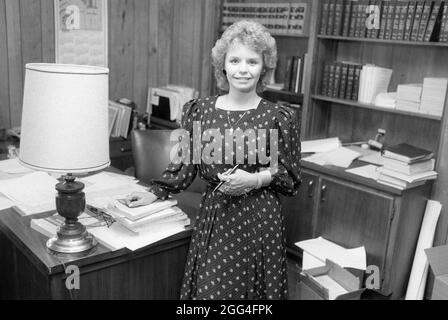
(237, 250)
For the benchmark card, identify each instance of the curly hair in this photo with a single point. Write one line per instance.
(255, 36)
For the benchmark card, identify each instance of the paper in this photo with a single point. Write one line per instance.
(369, 171)
(419, 272)
(373, 158)
(320, 145)
(321, 249)
(34, 192)
(334, 288)
(341, 157)
(5, 203)
(13, 166)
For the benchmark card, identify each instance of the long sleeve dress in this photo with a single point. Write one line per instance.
(237, 249)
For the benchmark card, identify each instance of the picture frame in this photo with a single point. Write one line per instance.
(81, 32)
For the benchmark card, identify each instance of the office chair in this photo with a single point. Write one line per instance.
(151, 153)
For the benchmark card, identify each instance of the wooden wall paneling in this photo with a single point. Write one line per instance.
(165, 31)
(153, 44)
(210, 18)
(48, 31)
(197, 53)
(14, 43)
(121, 55)
(141, 53)
(31, 31)
(4, 70)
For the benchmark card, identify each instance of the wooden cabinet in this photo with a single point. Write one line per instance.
(352, 211)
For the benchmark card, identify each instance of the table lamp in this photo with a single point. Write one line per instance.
(65, 130)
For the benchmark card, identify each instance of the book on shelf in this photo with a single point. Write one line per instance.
(325, 77)
(433, 29)
(409, 169)
(373, 80)
(324, 16)
(343, 77)
(407, 153)
(417, 17)
(330, 85)
(338, 16)
(390, 19)
(356, 78)
(404, 7)
(409, 20)
(337, 80)
(433, 96)
(295, 73)
(409, 96)
(330, 18)
(360, 18)
(424, 20)
(347, 8)
(122, 123)
(443, 32)
(383, 20)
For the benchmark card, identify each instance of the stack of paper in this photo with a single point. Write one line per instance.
(373, 81)
(433, 96)
(341, 157)
(386, 100)
(409, 96)
(119, 119)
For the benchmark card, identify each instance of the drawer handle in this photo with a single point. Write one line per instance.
(322, 193)
(310, 189)
(125, 150)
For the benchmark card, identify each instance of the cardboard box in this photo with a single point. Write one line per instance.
(330, 282)
(438, 261)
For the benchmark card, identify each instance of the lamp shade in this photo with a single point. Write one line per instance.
(65, 118)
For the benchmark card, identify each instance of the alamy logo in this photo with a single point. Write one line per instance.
(73, 280)
(373, 18)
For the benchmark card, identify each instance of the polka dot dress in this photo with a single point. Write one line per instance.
(237, 250)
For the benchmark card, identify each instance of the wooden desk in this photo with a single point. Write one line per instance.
(29, 271)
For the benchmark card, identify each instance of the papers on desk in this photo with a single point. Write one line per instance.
(316, 251)
(369, 171)
(320, 145)
(13, 166)
(341, 157)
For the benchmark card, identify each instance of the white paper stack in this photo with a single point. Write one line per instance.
(386, 100)
(373, 81)
(433, 96)
(409, 96)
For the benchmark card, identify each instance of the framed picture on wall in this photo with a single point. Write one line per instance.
(81, 32)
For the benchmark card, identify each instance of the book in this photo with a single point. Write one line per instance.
(383, 21)
(324, 17)
(288, 73)
(417, 18)
(390, 19)
(350, 79)
(136, 213)
(402, 20)
(397, 183)
(346, 19)
(330, 18)
(356, 77)
(409, 20)
(443, 32)
(331, 74)
(353, 18)
(409, 178)
(338, 16)
(407, 153)
(343, 85)
(325, 77)
(424, 20)
(433, 28)
(409, 169)
(337, 79)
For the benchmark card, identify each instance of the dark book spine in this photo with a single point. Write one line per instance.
(434, 20)
(443, 33)
(353, 18)
(295, 65)
(330, 20)
(383, 21)
(350, 79)
(324, 17)
(424, 20)
(417, 18)
(338, 8)
(325, 77)
(343, 79)
(356, 82)
(346, 19)
(402, 20)
(396, 23)
(409, 21)
(337, 79)
(361, 19)
(288, 73)
(331, 80)
(390, 20)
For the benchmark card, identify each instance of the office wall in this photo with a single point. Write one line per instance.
(151, 43)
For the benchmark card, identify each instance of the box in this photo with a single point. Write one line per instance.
(330, 282)
(438, 261)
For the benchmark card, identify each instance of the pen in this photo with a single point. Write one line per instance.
(222, 182)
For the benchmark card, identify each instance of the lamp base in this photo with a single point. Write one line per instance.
(72, 239)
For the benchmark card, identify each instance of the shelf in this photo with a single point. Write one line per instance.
(283, 95)
(373, 107)
(402, 42)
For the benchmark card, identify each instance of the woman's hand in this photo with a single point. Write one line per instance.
(137, 199)
(238, 183)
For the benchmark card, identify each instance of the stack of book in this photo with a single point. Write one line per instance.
(409, 96)
(372, 81)
(406, 166)
(139, 219)
(340, 79)
(386, 19)
(433, 96)
(294, 74)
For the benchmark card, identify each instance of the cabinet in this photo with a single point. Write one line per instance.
(353, 211)
(121, 153)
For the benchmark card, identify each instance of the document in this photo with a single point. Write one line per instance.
(13, 166)
(316, 251)
(369, 171)
(341, 157)
(320, 145)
